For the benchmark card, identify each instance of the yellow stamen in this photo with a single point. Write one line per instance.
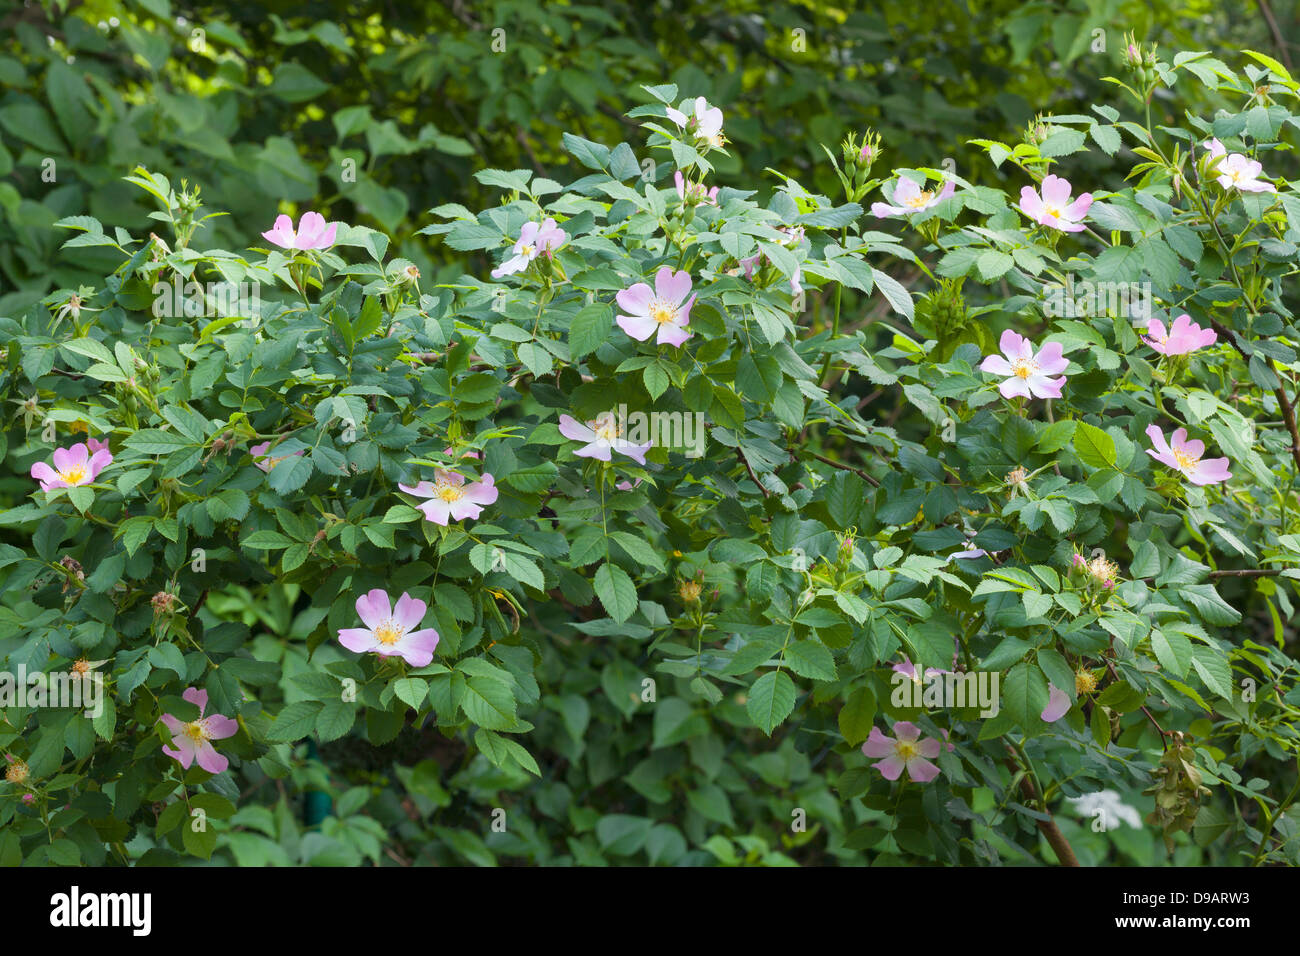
(662, 312)
(389, 633)
(920, 199)
(905, 750)
(74, 474)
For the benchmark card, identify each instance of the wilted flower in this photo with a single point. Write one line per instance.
(1028, 373)
(388, 630)
(72, 467)
(193, 739)
(534, 239)
(17, 771)
(1085, 681)
(1183, 337)
(603, 435)
(910, 198)
(450, 499)
(313, 232)
(906, 750)
(663, 311)
(1053, 207)
(970, 552)
(1186, 457)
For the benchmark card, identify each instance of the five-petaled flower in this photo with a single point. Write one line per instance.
(193, 739)
(313, 232)
(1186, 457)
(391, 631)
(1053, 207)
(602, 436)
(909, 198)
(1182, 337)
(72, 467)
(450, 499)
(1028, 374)
(663, 311)
(906, 750)
(1236, 171)
(534, 239)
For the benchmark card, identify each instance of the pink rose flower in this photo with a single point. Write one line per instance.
(1236, 171)
(1185, 457)
(602, 437)
(1028, 374)
(905, 751)
(194, 739)
(72, 467)
(910, 198)
(94, 445)
(663, 311)
(1053, 207)
(313, 232)
(390, 631)
(450, 499)
(1183, 337)
(534, 239)
(264, 461)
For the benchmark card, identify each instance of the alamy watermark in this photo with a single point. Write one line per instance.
(84, 691)
(676, 431)
(948, 689)
(1071, 300)
(207, 299)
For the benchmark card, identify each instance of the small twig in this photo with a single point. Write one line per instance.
(753, 477)
(835, 464)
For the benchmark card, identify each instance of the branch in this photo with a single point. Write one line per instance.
(1055, 838)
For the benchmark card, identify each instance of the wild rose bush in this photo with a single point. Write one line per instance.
(408, 544)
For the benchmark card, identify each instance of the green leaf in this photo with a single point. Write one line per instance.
(770, 700)
(616, 591)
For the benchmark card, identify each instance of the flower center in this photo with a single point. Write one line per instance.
(196, 731)
(389, 633)
(1056, 212)
(662, 312)
(920, 199)
(1186, 461)
(905, 750)
(1023, 368)
(528, 250)
(74, 474)
(449, 492)
(606, 430)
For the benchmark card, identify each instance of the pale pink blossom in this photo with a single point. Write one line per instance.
(1053, 207)
(391, 631)
(94, 445)
(450, 499)
(602, 436)
(193, 739)
(1237, 171)
(908, 670)
(266, 462)
(909, 198)
(534, 239)
(313, 232)
(906, 750)
(72, 467)
(1183, 336)
(705, 122)
(1058, 704)
(662, 312)
(1186, 457)
(1028, 374)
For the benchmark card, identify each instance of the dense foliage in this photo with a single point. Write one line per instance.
(613, 508)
